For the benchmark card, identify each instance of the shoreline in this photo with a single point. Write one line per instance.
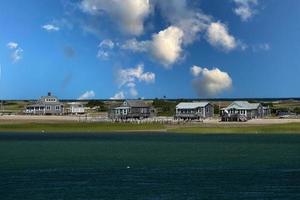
(71, 124)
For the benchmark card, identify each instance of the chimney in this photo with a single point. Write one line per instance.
(49, 94)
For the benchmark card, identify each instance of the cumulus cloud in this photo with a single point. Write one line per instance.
(189, 20)
(129, 15)
(245, 9)
(87, 95)
(218, 36)
(131, 75)
(209, 83)
(165, 46)
(128, 78)
(105, 49)
(50, 28)
(17, 52)
(196, 71)
(118, 95)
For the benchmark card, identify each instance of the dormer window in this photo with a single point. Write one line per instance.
(50, 100)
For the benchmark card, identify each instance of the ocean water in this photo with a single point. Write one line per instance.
(149, 166)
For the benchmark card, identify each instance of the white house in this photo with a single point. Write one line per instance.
(76, 108)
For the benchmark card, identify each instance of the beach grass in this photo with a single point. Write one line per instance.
(79, 127)
(270, 128)
(148, 127)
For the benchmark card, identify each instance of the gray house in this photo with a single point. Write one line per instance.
(46, 105)
(194, 110)
(131, 109)
(243, 111)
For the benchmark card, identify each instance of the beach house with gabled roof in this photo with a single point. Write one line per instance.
(46, 105)
(194, 110)
(131, 109)
(243, 111)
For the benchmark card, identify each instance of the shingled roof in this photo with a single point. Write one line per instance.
(242, 105)
(136, 103)
(191, 105)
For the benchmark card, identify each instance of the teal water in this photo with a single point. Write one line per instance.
(149, 166)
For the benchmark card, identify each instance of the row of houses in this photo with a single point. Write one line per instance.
(139, 109)
(236, 111)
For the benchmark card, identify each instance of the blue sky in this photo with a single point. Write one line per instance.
(149, 48)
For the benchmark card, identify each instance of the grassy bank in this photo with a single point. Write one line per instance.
(78, 127)
(270, 128)
(128, 127)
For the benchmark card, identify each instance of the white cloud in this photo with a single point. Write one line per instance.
(103, 55)
(17, 55)
(209, 83)
(128, 79)
(129, 15)
(107, 43)
(218, 36)
(189, 20)
(17, 52)
(50, 27)
(87, 95)
(165, 46)
(187, 23)
(131, 75)
(195, 70)
(119, 95)
(245, 8)
(105, 49)
(12, 45)
(136, 46)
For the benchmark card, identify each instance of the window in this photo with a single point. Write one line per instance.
(48, 107)
(50, 100)
(57, 107)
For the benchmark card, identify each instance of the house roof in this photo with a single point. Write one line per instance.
(191, 105)
(42, 100)
(136, 103)
(244, 105)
